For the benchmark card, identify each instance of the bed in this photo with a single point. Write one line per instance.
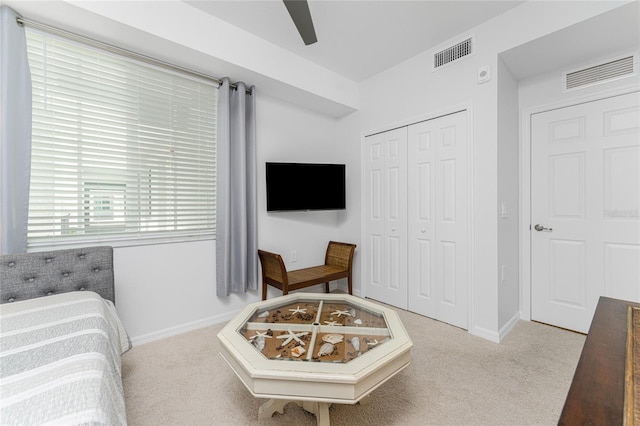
(61, 340)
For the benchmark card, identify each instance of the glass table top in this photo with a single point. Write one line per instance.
(315, 330)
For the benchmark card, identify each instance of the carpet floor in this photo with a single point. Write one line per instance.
(454, 379)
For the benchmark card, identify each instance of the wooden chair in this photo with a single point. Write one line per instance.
(338, 263)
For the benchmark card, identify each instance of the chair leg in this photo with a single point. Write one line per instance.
(350, 285)
(326, 287)
(264, 290)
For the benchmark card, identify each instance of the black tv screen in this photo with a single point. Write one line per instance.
(305, 186)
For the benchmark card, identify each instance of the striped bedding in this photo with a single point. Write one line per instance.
(60, 361)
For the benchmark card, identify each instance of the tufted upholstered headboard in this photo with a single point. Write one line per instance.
(29, 275)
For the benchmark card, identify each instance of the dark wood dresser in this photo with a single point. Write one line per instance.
(597, 392)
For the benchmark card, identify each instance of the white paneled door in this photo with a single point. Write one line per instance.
(385, 210)
(585, 209)
(415, 211)
(438, 219)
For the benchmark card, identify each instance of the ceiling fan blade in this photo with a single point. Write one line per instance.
(299, 11)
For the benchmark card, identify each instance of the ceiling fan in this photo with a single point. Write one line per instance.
(299, 11)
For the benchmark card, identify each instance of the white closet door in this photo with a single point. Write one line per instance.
(438, 219)
(385, 212)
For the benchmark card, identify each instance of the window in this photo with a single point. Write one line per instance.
(121, 150)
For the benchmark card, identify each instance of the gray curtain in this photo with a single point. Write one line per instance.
(236, 197)
(15, 134)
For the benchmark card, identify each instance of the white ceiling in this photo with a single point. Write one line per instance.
(358, 39)
(606, 35)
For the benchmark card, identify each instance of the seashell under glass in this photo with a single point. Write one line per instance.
(259, 343)
(356, 344)
(326, 349)
(297, 351)
(332, 338)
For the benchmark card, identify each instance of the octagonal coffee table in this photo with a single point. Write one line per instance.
(314, 349)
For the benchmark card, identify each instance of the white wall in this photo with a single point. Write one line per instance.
(291, 134)
(170, 288)
(167, 289)
(546, 91)
(508, 190)
(410, 91)
(404, 93)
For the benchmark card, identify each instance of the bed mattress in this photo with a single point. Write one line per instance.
(60, 361)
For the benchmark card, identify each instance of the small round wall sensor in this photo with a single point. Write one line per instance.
(483, 74)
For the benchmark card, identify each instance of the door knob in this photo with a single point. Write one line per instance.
(539, 228)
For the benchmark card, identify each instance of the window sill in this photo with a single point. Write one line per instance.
(119, 242)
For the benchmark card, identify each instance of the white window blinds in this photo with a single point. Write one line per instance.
(121, 149)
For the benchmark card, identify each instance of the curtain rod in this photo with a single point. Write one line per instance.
(118, 50)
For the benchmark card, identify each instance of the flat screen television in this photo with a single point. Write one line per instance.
(305, 186)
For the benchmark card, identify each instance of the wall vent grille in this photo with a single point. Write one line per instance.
(601, 73)
(453, 53)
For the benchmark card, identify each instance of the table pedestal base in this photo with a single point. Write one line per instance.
(319, 409)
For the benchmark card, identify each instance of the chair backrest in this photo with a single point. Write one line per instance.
(273, 266)
(340, 254)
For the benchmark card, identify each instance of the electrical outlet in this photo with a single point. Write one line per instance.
(504, 213)
(294, 256)
(503, 273)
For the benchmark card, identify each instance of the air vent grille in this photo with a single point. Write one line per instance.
(453, 53)
(600, 73)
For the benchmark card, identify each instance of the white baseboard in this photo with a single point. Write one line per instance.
(344, 287)
(509, 326)
(494, 336)
(486, 334)
(182, 328)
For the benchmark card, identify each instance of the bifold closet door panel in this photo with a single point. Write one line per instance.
(385, 217)
(421, 169)
(438, 218)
